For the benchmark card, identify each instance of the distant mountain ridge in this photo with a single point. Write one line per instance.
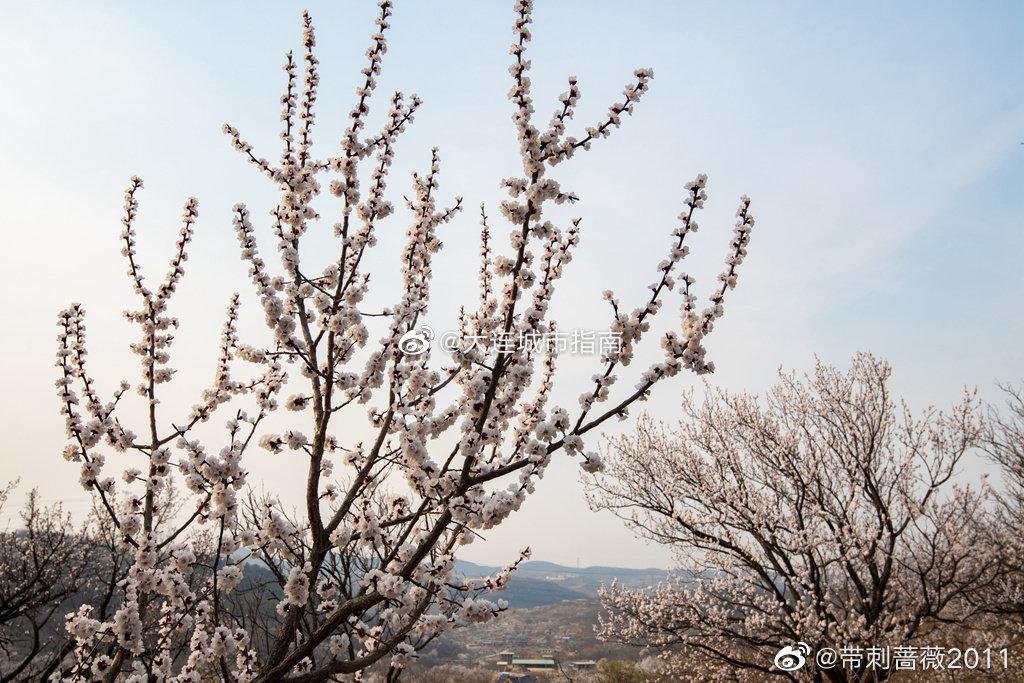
(539, 583)
(536, 584)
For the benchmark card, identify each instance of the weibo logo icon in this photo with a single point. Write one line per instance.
(792, 657)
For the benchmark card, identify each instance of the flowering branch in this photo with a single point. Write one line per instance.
(364, 572)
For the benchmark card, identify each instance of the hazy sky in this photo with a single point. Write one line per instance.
(881, 145)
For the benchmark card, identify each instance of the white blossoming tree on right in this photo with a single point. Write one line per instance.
(1003, 441)
(825, 513)
(365, 573)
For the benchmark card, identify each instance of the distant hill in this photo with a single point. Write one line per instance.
(543, 583)
(524, 592)
(537, 583)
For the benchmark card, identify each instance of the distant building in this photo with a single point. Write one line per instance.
(535, 664)
(588, 665)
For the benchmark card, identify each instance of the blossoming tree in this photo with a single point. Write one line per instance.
(824, 514)
(42, 564)
(365, 573)
(1003, 440)
(49, 564)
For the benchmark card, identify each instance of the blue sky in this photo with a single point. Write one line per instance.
(881, 144)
